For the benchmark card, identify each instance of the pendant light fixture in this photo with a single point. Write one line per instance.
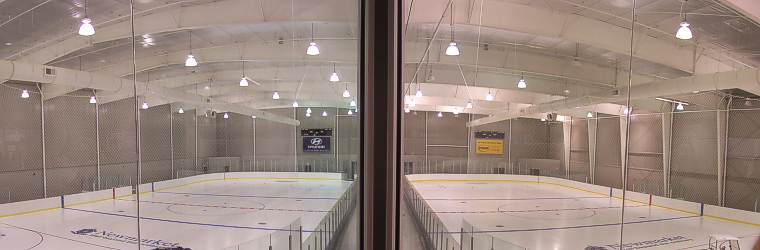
(334, 77)
(25, 94)
(145, 105)
(312, 50)
(324, 113)
(407, 110)
(243, 81)
(308, 114)
(590, 115)
(521, 84)
(456, 112)
(489, 97)
(419, 92)
(411, 102)
(684, 32)
(431, 77)
(226, 116)
(440, 114)
(275, 96)
(345, 92)
(350, 112)
(308, 110)
(191, 62)
(452, 50)
(86, 29)
(93, 100)
(181, 111)
(469, 105)
(352, 103)
(680, 106)
(576, 59)
(295, 104)
(253, 116)
(625, 111)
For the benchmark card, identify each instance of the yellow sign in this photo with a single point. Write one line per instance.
(490, 147)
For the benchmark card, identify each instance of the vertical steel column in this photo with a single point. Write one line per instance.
(722, 119)
(254, 143)
(592, 129)
(295, 146)
(196, 139)
(667, 147)
(97, 137)
(381, 67)
(171, 135)
(42, 130)
(509, 150)
(567, 130)
(427, 162)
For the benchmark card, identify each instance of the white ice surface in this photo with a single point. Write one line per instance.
(207, 215)
(543, 216)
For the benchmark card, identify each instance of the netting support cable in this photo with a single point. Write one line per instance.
(137, 121)
(628, 123)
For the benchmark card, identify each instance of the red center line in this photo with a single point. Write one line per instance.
(58, 237)
(228, 207)
(529, 211)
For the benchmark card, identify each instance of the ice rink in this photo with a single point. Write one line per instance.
(207, 215)
(544, 216)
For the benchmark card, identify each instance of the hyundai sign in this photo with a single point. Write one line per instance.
(316, 144)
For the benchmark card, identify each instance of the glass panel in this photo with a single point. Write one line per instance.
(148, 124)
(581, 125)
(67, 152)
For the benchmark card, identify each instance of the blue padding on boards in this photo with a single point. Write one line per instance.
(62, 201)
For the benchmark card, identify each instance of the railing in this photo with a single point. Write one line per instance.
(435, 231)
(334, 222)
(288, 237)
(322, 237)
(437, 234)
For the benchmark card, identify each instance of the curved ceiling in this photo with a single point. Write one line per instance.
(501, 41)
